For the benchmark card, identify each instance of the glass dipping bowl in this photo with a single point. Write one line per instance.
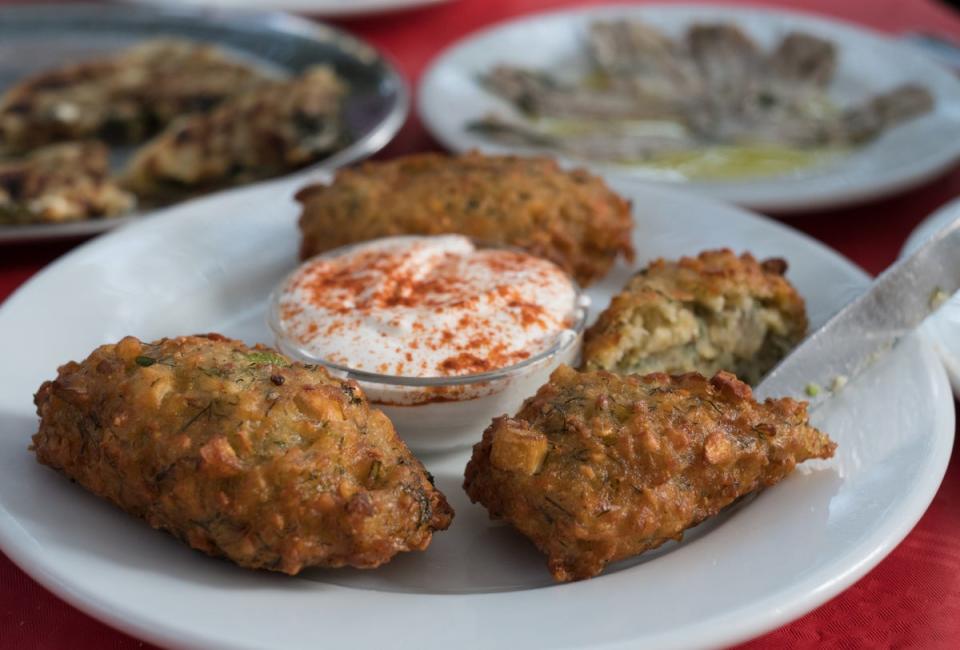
(442, 413)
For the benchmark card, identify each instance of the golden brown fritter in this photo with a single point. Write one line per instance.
(123, 97)
(277, 127)
(597, 467)
(569, 217)
(62, 182)
(239, 452)
(700, 314)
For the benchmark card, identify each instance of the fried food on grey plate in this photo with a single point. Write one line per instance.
(597, 467)
(272, 129)
(123, 97)
(61, 182)
(569, 217)
(240, 453)
(700, 314)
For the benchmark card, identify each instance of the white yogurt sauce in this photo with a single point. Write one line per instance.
(425, 307)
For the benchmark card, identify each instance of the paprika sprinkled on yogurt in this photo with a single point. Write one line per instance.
(426, 307)
(440, 335)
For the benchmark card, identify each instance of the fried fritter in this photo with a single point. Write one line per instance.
(275, 128)
(569, 217)
(61, 182)
(597, 467)
(700, 314)
(122, 98)
(240, 453)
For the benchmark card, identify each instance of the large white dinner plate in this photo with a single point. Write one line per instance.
(450, 97)
(943, 328)
(332, 8)
(209, 265)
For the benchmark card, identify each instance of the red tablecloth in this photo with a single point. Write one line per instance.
(912, 599)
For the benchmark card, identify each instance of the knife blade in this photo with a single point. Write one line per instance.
(870, 326)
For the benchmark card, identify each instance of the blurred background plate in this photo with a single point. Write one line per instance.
(340, 8)
(450, 97)
(40, 37)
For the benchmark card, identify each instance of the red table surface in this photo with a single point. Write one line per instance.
(911, 599)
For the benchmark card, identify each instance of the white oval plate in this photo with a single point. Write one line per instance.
(330, 8)
(450, 97)
(943, 328)
(210, 264)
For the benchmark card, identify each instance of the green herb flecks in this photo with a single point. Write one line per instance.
(266, 358)
(145, 362)
(374, 471)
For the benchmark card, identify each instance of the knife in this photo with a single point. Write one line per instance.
(863, 331)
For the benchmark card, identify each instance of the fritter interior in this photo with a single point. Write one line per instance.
(700, 314)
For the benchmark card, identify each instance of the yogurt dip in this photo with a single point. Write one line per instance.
(440, 334)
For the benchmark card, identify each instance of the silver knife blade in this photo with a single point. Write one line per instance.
(894, 305)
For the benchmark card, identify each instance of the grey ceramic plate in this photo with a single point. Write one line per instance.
(34, 38)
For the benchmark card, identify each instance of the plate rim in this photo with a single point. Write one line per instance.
(793, 205)
(814, 590)
(919, 234)
(280, 22)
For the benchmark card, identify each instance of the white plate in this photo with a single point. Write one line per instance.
(450, 97)
(331, 8)
(943, 328)
(209, 265)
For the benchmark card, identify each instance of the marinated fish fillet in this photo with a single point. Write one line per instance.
(714, 84)
(728, 60)
(803, 59)
(865, 122)
(540, 95)
(121, 98)
(239, 453)
(700, 314)
(568, 217)
(277, 127)
(597, 467)
(612, 142)
(637, 58)
(58, 183)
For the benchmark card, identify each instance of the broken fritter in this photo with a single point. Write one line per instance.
(240, 453)
(700, 314)
(568, 217)
(278, 127)
(59, 183)
(597, 467)
(123, 97)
